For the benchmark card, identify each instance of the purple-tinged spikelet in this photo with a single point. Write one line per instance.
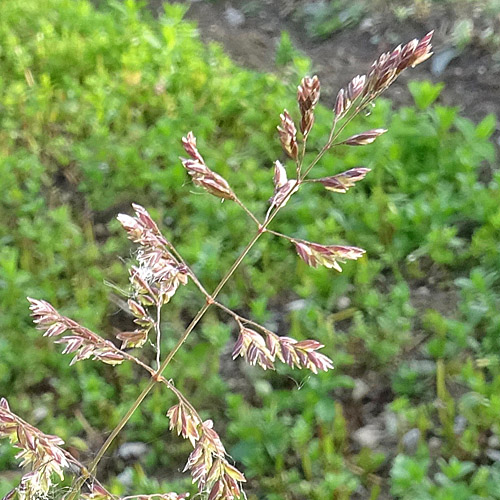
(341, 183)
(256, 350)
(288, 135)
(364, 137)
(308, 96)
(202, 176)
(83, 342)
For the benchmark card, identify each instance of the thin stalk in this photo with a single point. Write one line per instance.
(247, 211)
(300, 160)
(281, 235)
(147, 389)
(163, 380)
(158, 336)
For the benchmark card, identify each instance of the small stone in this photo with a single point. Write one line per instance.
(367, 24)
(343, 302)
(493, 454)
(493, 442)
(423, 366)
(423, 291)
(459, 425)
(368, 436)
(234, 17)
(132, 451)
(360, 390)
(441, 60)
(126, 478)
(410, 441)
(296, 305)
(435, 444)
(391, 423)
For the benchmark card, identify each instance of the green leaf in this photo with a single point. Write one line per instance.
(425, 93)
(486, 127)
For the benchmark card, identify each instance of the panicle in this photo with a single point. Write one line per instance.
(184, 422)
(156, 278)
(256, 350)
(40, 452)
(382, 73)
(207, 462)
(82, 341)
(341, 183)
(288, 135)
(364, 137)
(390, 64)
(201, 174)
(314, 254)
(308, 96)
(283, 188)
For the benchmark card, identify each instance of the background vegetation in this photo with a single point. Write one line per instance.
(92, 107)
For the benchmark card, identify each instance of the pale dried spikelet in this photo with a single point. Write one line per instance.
(308, 96)
(184, 422)
(288, 135)
(210, 469)
(138, 337)
(341, 183)
(201, 174)
(299, 354)
(356, 87)
(345, 98)
(189, 143)
(40, 452)
(226, 486)
(253, 348)
(257, 350)
(142, 228)
(341, 105)
(280, 178)
(83, 342)
(314, 254)
(159, 273)
(283, 188)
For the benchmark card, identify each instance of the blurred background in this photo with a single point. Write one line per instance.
(94, 99)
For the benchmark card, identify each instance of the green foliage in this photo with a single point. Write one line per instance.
(289, 57)
(456, 479)
(328, 16)
(92, 107)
